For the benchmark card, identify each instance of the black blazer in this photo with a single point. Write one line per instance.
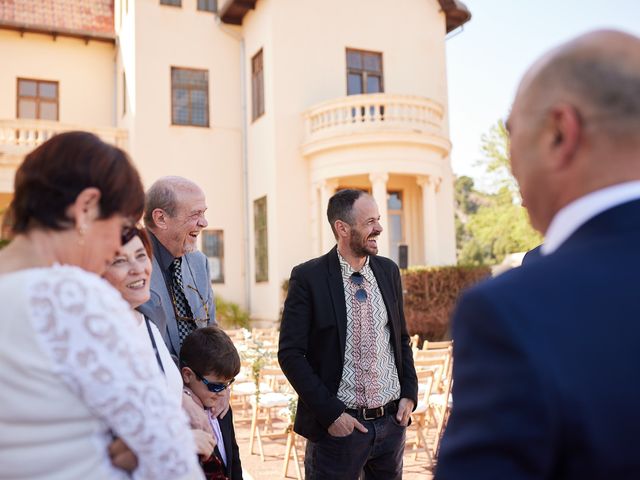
(233, 468)
(313, 333)
(546, 361)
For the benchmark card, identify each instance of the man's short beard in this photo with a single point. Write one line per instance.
(358, 249)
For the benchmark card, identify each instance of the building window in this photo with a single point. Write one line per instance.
(364, 72)
(395, 223)
(257, 85)
(260, 231)
(173, 3)
(208, 5)
(213, 248)
(38, 99)
(189, 97)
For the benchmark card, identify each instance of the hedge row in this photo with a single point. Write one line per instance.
(430, 295)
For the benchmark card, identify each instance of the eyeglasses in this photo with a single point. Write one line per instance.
(204, 306)
(213, 387)
(358, 280)
(127, 233)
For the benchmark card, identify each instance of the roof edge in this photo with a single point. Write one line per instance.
(63, 32)
(456, 12)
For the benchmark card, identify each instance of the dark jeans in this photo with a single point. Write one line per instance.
(377, 453)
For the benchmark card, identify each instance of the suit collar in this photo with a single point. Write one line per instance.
(577, 213)
(612, 222)
(336, 289)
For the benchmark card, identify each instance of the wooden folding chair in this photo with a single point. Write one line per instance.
(420, 417)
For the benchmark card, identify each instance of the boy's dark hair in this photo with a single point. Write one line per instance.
(210, 351)
(341, 206)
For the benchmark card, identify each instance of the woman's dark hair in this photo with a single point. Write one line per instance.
(210, 351)
(146, 241)
(53, 175)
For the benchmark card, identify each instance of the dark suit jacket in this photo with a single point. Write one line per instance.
(234, 466)
(532, 255)
(313, 333)
(546, 361)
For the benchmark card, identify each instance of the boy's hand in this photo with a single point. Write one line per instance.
(222, 404)
(205, 443)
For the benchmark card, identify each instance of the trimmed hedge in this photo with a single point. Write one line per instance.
(430, 295)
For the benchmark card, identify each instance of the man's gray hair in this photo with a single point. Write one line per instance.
(162, 195)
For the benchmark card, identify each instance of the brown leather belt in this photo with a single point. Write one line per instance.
(363, 413)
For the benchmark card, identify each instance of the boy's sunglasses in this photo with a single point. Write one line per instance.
(212, 386)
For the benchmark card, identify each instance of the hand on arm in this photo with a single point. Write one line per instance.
(205, 443)
(122, 456)
(222, 405)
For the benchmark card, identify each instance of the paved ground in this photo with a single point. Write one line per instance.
(272, 466)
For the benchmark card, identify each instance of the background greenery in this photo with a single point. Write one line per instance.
(492, 223)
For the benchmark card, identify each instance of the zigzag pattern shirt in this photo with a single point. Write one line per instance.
(369, 376)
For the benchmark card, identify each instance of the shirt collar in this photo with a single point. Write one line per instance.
(164, 258)
(347, 271)
(580, 211)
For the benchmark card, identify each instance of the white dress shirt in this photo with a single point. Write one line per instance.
(580, 211)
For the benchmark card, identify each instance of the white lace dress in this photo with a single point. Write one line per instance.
(72, 371)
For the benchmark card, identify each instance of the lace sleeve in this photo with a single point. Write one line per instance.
(89, 333)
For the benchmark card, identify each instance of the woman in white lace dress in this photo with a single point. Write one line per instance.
(73, 372)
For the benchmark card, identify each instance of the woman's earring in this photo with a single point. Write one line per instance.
(82, 229)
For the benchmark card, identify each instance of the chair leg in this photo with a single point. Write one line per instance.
(287, 453)
(254, 423)
(255, 432)
(295, 456)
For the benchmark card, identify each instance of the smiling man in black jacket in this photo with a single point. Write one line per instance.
(345, 349)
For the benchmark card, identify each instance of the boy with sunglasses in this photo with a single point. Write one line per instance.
(209, 363)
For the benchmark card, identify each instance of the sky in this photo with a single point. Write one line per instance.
(487, 58)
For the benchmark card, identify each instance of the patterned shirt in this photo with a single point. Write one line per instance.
(369, 377)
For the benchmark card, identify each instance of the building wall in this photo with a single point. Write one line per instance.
(158, 38)
(85, 72)
(304, 53)
(305, 64)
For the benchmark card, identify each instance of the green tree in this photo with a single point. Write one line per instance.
(492, 225)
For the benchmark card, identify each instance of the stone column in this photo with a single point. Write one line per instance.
(429, 185)
(315, 219)
(327, 189)
(379, 192)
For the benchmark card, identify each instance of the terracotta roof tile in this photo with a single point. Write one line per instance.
(81, 17)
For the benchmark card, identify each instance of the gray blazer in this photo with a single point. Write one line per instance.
(197, 289)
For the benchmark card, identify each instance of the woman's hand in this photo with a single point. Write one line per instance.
(205, 443)
(198, 417)
(122, 457)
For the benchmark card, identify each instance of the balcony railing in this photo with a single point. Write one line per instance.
(372, 113)
(20, 135)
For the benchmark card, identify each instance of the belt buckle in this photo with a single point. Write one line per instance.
(377, 413)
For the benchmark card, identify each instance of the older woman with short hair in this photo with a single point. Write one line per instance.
(74, 373)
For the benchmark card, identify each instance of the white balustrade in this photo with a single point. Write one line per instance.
(374, 111)
(28, 134)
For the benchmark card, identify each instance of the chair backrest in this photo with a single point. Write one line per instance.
(427, 377)
(427, 345)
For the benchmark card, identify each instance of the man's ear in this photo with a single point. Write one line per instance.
(342, 228)
(564, 135)
(159, 218)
